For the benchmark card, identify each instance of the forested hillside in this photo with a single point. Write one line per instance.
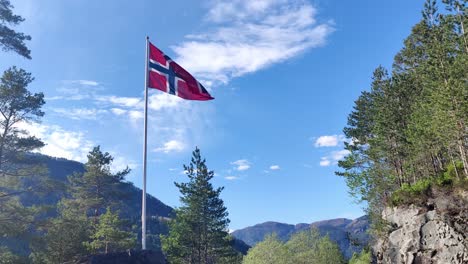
(408, 138)
(58, 171)
(409, 130)
(55, 181)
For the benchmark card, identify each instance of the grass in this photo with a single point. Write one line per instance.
(420, 191)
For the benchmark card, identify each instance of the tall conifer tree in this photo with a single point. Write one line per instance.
(199, 232)
(96, 189)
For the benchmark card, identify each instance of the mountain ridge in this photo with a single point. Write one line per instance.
(349, 234)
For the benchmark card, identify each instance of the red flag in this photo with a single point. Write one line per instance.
(170, 77)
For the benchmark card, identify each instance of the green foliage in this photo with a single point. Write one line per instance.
(110, 235)
(411, 193)
(328, 252)
(302, 248)
(97, 188)
(362, 258)
(420, 190)
(8, 257)
(65, 236)
(269, 251)
(198, 234)
(10, 39)
(17, 107)
(80, 229)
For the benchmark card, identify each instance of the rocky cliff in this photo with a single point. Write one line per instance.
(433, 232)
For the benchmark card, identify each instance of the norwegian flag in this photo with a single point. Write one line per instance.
(170, 77)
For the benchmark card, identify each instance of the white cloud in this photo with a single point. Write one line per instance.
(59, 142)
(329, 141)
(118, 111)
(79, 113)
(241, 165)
(249, 36)
(171, 146)
(120, 163)
(340, 154)
(159, 101)
(333, 158)
(324, 162)
(135, 115)
(86, 82)
(231, 178)
(274, 167)
(120, 101)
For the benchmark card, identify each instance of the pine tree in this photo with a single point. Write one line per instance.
(96, 189)
(65, 236)
(198, 234)
(17, 106)
(110, 235)
(10, 39)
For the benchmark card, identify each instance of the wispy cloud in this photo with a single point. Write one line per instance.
(59, 142)
(119, 101)
(329, 141)
(248, 36)
(171, 146)
(118, 111)
(71, 145)
(275, 167)
(231, 178)
(241, 165)
(120, 163)
(324, 162)
(79, 113)
(333, 158)
(85, 82)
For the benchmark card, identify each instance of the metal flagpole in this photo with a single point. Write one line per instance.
(143, 198)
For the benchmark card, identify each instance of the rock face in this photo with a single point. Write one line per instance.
(431, 233)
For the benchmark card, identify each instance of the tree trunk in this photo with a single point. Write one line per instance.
(463, 157)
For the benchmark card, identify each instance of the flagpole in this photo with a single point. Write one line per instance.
(143, 198)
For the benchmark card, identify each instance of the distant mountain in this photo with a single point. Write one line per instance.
(350, 235)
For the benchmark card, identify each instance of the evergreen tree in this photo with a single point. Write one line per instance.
(110, 235)
(17, 106)
(198, 234)
(65, 236)
(96, 189)
(10, 39)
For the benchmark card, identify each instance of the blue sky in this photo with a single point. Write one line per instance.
(285, 74)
